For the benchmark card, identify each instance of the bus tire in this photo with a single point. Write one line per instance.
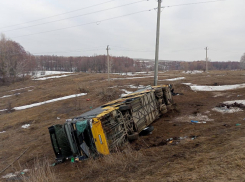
(147, 130)
(133, 136)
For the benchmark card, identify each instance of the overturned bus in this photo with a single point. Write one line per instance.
(108, 127)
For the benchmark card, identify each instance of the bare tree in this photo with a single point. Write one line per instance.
(12, 59)
(242, 61)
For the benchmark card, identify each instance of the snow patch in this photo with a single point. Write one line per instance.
(195, 87)
(10, 175)
(126, 91)
(187, 83)
(133, 86)
(217, 88)
(237, 101)
(193, 72)
(219, 94)
(2, 132)
(174, 79)
(5, 96)
(20, 89)
(132, 74)
(48, 101)
(130, 78)
(51, 77)
(200, 117)
(227, 110)
(25, 126)
(38, 74)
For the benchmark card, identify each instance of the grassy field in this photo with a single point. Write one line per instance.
(211, 151)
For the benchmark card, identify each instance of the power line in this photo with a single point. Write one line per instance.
(94, 22)
(75, 16)
(191, 4)
(110, 19)
(132, 50)
(60, 14)
(91, 49)
(43, 53)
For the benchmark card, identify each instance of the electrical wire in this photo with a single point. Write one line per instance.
(190, 4)
(76, 16)
(132, 50)
(43, 53)
(98, 22)
(60, 14)
(94, 22)
(68, 51)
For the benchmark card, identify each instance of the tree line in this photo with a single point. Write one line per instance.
(16, 63)
(199, 65)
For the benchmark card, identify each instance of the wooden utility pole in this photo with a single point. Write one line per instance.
(108, 64)
(157, 42)
(206, 48)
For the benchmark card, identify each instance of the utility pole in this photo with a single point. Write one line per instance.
(108, 64)
(206, 48)
(157, 42)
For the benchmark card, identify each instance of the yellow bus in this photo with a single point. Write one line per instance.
(108, 127)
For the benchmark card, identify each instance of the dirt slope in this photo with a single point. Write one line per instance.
(177, 150)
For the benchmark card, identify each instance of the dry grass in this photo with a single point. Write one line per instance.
(197, 160)
(124, 161)
(41, 172)
(108, 94)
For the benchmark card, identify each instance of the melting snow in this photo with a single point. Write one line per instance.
(216, 88)
(174, 79)
(46, 73)
(226, 110)
(237, 101)
(46, 102)
(2, 131)
(9, 95)
(187, 83)
(20, 88)
(131, 78)
(25, 126)
(132, 74)
(140, 86)
(126, 91)
(231, 109)
(195, 87)
(219, 94)
(5, 96)
(199, 117)
(50, 77)
(10, 175)
(193, 72)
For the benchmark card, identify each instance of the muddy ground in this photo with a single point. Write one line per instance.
(177, 149)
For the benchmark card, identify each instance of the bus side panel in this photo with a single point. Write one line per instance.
(99, 137)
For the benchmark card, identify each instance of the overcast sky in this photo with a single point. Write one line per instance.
(185, 30)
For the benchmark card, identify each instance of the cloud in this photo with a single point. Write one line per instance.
(185, 30)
